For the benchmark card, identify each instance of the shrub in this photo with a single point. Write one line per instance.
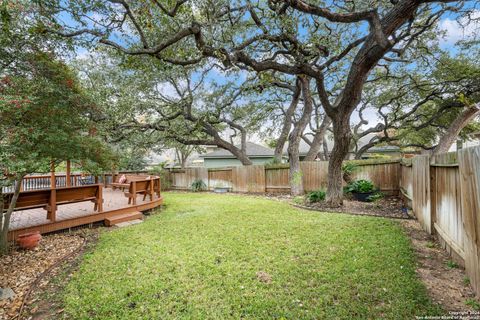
(298, 200)
(198, 185)
(316, 196)
(375, 197)
(360, 186)
(164, 175)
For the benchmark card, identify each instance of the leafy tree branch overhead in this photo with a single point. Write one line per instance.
(337, 45)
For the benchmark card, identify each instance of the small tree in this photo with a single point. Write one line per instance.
(45, 117)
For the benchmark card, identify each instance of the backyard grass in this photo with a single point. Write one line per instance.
(211, 256)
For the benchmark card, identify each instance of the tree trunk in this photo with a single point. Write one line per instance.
(295, 178)
(325, 149)
(239, 153)
(360, 152)
(287, 125)
(6, 215)
(241, 156)
(341, 137)
(457, 125)
(318, 140)
(295, 173)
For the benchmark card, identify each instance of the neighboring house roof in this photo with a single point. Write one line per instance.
(253, 150)
(304, 147)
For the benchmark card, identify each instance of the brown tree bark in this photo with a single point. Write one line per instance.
(7, 214)
(325, 150)
(341, 136)
(381, 39)
(295, 178)
(287, 125)
(450, 136)
(318, 139)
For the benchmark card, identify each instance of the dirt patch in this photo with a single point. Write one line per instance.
(262, 276)
(389, 207)
(446, 282)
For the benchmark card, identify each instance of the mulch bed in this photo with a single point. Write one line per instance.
(20, 269)
(388, 207)
(446, 283)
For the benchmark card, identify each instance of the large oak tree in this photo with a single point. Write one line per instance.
(335, 45)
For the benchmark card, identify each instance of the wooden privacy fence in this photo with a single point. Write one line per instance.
(261, 179)
(444, 192)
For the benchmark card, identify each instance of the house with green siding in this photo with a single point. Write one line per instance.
(258, 154)
(223, 158)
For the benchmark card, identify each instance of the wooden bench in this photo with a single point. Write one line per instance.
(144, 187)
(126, 184)
(43, 198)
(92, 192)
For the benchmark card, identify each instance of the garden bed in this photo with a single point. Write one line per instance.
(20, 269)
(388, 207)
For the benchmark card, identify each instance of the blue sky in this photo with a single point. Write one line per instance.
(453, 30)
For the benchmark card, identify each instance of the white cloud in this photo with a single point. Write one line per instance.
(459, 30)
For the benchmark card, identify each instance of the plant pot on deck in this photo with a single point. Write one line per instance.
(362, 196)
(29, 240)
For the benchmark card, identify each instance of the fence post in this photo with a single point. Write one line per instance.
(51, 215)
(100, 199)
(421, 191)
(134, 192)
(433, 198)
(469, 169)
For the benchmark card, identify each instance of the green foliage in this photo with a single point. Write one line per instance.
(316, 196)
(375, 197)
(354, 261)
(430, 244)
(271, 143)
(451, 264)
(349, 167)
(297, 178)
(298, 200)
(45, 116)
(458, 77)
(164, 175)
(271, 165)
(474, 304)
(132, 159)
(198, 185)
(360, 186)
(379, 156)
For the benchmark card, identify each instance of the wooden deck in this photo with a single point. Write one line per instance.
(77, 214)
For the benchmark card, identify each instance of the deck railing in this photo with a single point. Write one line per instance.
(43, 181)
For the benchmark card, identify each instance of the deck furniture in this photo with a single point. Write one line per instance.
(144, 187)
(130, 177)
(43, 198)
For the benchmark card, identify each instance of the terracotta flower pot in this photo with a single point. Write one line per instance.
(29, 240)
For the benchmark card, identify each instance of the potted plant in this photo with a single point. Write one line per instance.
(220, 188)
(29, 240)
(361, 189)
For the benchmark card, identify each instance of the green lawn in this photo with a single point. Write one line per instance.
(199, 259)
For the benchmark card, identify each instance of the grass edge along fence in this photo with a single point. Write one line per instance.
(444, 193)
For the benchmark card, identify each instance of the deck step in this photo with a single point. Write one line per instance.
(128, 223)
(123, 218)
